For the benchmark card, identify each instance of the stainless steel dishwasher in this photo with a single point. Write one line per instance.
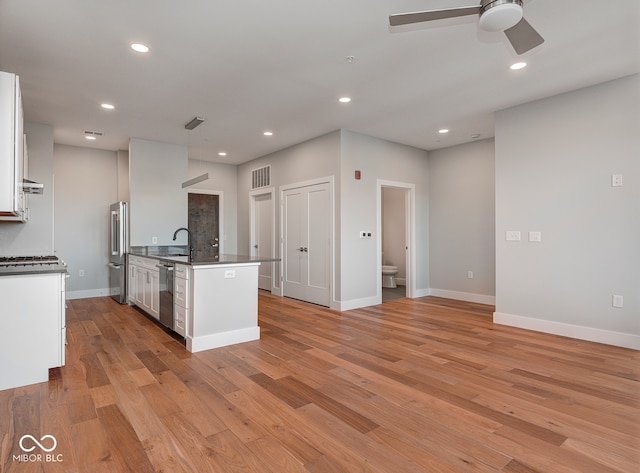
(166, 294)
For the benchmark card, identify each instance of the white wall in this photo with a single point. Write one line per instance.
(554, 162)
(462, 221)
(124, 194)
(85, 185)
(36, 236)
(158, 205)
(222, 178)
(377, 159)
(339, 154)
(319, 157)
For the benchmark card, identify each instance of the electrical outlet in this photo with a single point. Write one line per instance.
(81, 273)
(229, 274)
(469, 274)
(154, 240)
(616, 180)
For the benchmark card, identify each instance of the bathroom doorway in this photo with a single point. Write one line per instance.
(396, 243)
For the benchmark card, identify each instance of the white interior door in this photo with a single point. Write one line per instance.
(307, 243)
(262, 237)
(294, 238)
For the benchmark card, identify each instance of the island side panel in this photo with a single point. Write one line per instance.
(224, 306)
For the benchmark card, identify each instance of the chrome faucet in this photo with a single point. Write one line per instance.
(190, 240)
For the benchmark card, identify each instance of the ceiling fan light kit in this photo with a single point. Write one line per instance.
(500, 15)
(495, 16)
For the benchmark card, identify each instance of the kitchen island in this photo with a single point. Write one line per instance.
(215, 300)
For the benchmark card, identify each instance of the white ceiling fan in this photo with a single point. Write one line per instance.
(495, 15)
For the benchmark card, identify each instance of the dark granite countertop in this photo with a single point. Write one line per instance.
(32, 269)
(180, 258)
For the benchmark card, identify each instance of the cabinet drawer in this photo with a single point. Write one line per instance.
(150, 263)
(181, 271)
(142, 261)
(135, 261)
(181, 292)
(180, 320)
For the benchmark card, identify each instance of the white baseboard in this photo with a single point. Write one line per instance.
(357, 303)
(422, 293)
(217, 340)
(88, 293)
(608, 337)
(463, 296)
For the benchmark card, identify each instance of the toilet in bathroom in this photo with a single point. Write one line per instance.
(389, 276)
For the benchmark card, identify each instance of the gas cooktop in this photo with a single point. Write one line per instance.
(31, 264)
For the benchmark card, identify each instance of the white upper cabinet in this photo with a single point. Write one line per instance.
(12, 153)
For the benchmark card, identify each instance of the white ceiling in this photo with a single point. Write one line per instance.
(252, 65)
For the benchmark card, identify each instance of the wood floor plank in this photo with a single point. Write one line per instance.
(191, 407)
(424, 385)
(125, 447)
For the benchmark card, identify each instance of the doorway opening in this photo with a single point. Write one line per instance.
(205, 223)
(396, 250)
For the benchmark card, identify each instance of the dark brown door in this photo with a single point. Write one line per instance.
(204, 223)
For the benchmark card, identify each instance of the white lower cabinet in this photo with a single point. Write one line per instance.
(181, 296)
(33, 328)
(144, 284)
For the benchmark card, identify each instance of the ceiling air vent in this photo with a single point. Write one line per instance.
(261, 177)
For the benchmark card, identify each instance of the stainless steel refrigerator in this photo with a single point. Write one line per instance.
(118, 246)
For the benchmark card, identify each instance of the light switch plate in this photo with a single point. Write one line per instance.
(513, 235)
(617, 301)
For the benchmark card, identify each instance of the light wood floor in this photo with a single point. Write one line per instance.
(423, 385)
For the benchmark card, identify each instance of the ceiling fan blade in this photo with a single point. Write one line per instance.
(420, 16)
(523, 37)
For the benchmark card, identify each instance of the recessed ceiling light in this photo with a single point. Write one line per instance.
(139, 47)
(268, 133)
(108, 106)
(222, 153)
(344, 99)
(442, 131)
(89, 137)
(517, 66)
